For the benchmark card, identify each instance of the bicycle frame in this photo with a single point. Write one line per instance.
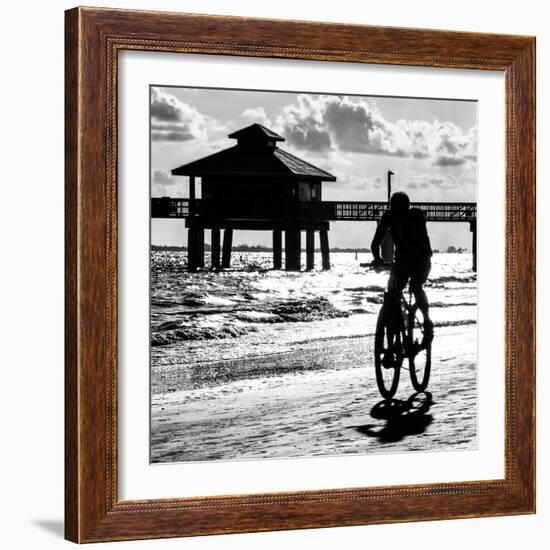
(395, 341)
(405, 309)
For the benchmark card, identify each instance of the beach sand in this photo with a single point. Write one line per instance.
(318, 399)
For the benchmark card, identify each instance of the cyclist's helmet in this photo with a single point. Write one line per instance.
(400, 202)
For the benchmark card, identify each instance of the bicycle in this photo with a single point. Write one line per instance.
(396, 340)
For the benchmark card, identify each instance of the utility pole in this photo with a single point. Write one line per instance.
(390, 174)
(387, 243)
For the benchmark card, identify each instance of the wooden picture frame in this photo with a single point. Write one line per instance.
(93, 511)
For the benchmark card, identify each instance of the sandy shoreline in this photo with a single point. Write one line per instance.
(320, 399)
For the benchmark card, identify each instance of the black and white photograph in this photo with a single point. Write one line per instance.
(313, 264)
(279, 278)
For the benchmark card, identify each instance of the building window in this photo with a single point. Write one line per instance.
(304, 191)
(316, 192)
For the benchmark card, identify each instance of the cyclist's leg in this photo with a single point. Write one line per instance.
(419, 276)
(397, 281)
(392, 308)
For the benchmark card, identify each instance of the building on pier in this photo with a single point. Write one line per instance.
(255, 185)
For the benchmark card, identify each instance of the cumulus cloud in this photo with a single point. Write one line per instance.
(303, 125)
(176, 121)
(443, 143)
(257, 114)
(359, 128)
(354, 125)
(454, 147)
(163, 177)
(317, 141)
(324, 123)
(165, 107)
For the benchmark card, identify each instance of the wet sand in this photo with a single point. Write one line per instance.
(319, 399)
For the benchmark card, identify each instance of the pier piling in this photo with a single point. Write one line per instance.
(227, 245)
(310, 249)
(277, 249)
(292, 249)
(215, 249)
(325, 250)
(200, 247)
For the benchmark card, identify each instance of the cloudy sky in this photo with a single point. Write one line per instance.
(429, 144)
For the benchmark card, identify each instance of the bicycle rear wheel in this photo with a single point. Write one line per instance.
(388, 354)
(420, 356)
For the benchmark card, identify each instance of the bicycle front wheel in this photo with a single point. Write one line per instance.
(420, 353)
(388, 355)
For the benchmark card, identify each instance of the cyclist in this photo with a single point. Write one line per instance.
(413, 253)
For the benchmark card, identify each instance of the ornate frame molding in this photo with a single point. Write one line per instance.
(93, 39)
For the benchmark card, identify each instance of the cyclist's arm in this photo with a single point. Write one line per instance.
(379, 235)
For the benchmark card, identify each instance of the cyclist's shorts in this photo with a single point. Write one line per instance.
(401, 272)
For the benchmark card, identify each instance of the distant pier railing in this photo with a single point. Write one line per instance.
(168, 207)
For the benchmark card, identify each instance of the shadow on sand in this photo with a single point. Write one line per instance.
(402, 418)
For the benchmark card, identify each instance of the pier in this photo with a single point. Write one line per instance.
(256, 185)
(233, 214)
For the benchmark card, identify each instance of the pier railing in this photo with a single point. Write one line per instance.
(168, 207)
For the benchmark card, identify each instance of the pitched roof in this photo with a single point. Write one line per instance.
(263, 160)
(256, 131)
(237, 161)
(301, 167)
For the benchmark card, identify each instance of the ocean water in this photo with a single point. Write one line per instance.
(254, 363)
(254, 311)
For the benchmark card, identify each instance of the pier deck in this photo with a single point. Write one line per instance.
(167, 207)
(292, 217)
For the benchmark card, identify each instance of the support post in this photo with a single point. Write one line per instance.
(192, 249)
(325, 251)
(310, 249)
(292, 249)
(277, 249)
(215, 248)
(473, 229)
(200, 247)
(191, 195)
(227, 245)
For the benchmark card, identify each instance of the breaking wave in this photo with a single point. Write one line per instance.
(291, 311)
(252, 308)
(197, 333)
